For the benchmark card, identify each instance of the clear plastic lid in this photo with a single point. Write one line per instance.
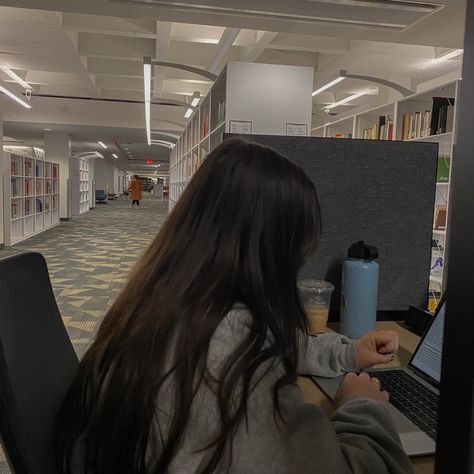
(316, 286)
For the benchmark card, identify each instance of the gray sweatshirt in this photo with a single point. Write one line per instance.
(359, 438)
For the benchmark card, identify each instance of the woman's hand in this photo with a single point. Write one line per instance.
(376, 347)
(361, 385)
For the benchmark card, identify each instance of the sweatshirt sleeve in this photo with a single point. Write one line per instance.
(359, 439)
(327, 355)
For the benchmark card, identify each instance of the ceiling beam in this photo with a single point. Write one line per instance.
(224, 46)
(71, 40)
(162, 46)
(252, 54)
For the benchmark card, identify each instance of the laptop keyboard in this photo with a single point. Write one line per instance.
(413, 399)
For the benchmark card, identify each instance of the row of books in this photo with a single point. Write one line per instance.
(438, 120)
(16, 206)
(381, 130)
(204, 126)
(341, 135)
(15, 168)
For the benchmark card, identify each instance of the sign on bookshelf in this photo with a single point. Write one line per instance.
(240, 126)
(297, 129)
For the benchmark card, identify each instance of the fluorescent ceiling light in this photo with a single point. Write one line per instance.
(47, 129)
(348, 99)
(147, 91)
(450, 55)
(16, 77)
(114, 155)
(15, 98)
(196, 99)
(163, 142)
(194, 102)
(328, 85)
(99, 155)
(102, 144)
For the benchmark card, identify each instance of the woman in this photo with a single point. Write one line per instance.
(135, 190)
(193, 368)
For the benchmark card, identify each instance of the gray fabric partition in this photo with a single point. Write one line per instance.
(378, 191)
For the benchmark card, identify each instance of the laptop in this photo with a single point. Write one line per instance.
(414, 390)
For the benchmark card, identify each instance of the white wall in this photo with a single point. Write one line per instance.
(275, 96)
(104, 175)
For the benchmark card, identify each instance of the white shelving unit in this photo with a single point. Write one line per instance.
(31, 194)
(353, 126)
(236, 105)
(83, 186)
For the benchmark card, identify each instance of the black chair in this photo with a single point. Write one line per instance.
(37, 363)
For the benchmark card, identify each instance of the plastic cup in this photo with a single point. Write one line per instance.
(316, 298)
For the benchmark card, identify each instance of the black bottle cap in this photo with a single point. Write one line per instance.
(360, 251)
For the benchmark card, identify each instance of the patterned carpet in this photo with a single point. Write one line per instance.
(89, 259)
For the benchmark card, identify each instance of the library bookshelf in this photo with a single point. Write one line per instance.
(427, 116)
(31, 194)
(83, 186)
(236, 105)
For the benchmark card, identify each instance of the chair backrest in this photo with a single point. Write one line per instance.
(37, 363)
(100, 193)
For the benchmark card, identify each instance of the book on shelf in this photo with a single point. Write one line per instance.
(380, 130)
(14, 187)
(442, 174)
(39, 205)
(55, 171)
(27, 187)
(27, 207)
(28, 168)
(440, 218)
(14, 168)
(37, 170)
(443, 115)
(48, 187)
(416, 125)
(14, 210)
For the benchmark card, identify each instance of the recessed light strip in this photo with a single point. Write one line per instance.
(147, 91)
(114, 155)
(13, 75)
(14, 97)
(102, 144)
(346, 100)
(328, 85)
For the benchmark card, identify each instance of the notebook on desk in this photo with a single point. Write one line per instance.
(414, 390)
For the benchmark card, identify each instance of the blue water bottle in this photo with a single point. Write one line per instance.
(359, 290)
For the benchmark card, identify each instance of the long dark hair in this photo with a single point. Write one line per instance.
(240, 232)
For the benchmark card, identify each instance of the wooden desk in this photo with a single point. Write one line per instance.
(407, 344)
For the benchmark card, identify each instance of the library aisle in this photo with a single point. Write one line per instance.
(89, 259)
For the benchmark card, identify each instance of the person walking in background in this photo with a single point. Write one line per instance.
(135, 190)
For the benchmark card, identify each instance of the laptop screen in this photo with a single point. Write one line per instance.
(427, 357)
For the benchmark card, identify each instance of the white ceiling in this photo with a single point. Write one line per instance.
(84, 58)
